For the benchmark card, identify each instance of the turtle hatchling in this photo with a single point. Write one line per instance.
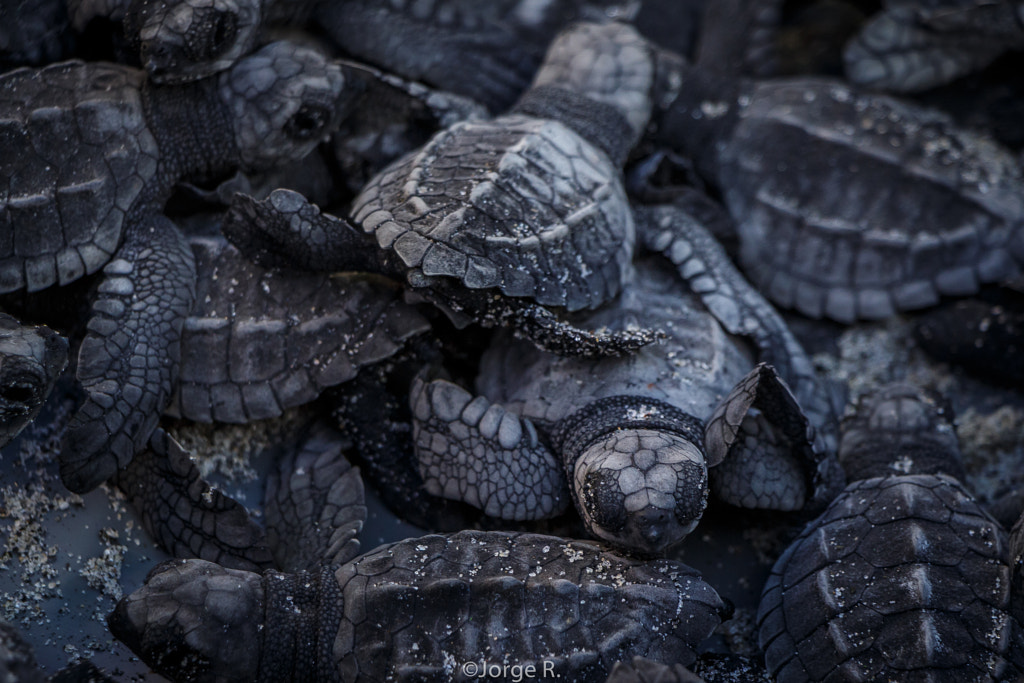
(91, 153)
(437, 608)
(850, 205)
(905, 576)
(487, 51)
(259, 341)
(530, 205)
(913, 45)
(31, 360)
(626, 435)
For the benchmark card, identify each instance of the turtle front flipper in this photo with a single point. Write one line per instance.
(128, 361)
(768, 459)
(741, 309)
(186, 516)
(894, 51)
(472, 450)
(286, 231)
(315, 507)
(31, 360)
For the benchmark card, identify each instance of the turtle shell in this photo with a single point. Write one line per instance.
(901, 576)
(520, 204)
(693, 368)
(260, 341)
(853, 206)
(75, 153)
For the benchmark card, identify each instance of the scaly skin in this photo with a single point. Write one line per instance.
(419, 609)
(95, 153)
(904, 574)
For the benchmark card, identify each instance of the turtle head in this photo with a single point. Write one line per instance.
(192, 39)
(195, 620)
(31, 359)
(283, 100)
(900, 429)
(637, 471)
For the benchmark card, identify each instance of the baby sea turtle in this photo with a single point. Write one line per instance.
(626, 435)
(91, 153)
(259, 341)
(31, 360)
(485, 51)
(438, 607)
(530, 204)
(848, 205)
(913, 45)
(904, 576)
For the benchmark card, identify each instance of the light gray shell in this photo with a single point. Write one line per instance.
(260, 341)
(76, 153)
(693, 368)
(520, 204)
(854, 206)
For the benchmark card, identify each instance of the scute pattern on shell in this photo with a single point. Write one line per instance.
(76, 153)
(847, 246)
(260, 340)
(519, 204)
(905, 573)
(515, 597)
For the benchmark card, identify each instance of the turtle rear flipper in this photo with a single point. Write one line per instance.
(128, 361)
(736, 447)
(740, 308)
(185, 515)
(895, 51)
(472, 450)
(315, 506)
(286, 231)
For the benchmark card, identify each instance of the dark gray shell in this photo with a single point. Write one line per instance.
(76, 152)
(693, 368)
(423, 609)
(900, 574)
(260, 341)
(520, 204)
(913, 45)
(855, 206)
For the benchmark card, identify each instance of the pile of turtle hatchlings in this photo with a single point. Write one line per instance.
(523, 264)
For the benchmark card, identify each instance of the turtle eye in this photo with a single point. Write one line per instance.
(219, 36)
(308, 122)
